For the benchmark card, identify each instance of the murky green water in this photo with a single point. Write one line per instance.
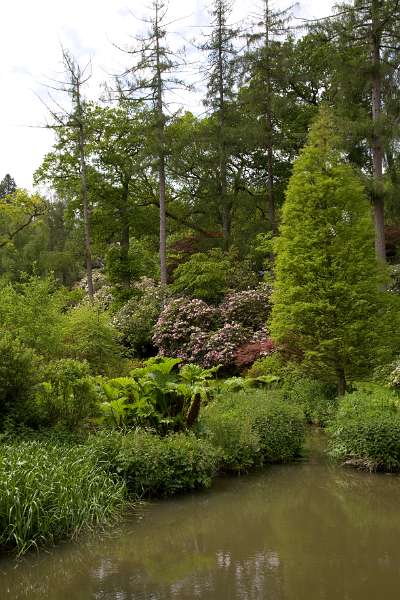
(298, 532)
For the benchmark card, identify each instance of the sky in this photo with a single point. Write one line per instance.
(30, 50)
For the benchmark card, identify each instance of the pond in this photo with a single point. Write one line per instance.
(304, 531)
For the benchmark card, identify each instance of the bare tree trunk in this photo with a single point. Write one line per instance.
(125, 231)
(270, 154)
(163, 221)
(161, 156)
(341, 382)
(377, 145)
(223, 183)
(84, 194)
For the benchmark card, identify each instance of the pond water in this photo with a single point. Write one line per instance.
(305, 531)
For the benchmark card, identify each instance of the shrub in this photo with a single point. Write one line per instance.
(393, 377)
(317, 399)
(18, 376)
(180, 325)
(136, 319)
(272, 364)
(232, 435)
(248, 353)
(31, 311)
(250, 308)
(155, 466)
(89, 336)
(251, 428)
(67, 396)
(221, 346)
(49, 492)
(366, 430)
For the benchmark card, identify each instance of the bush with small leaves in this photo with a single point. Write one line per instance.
(210, 275)
(252, 428)
(366, 430)
(89, 336)
(155, 466)
(18, 376)
(67, 395)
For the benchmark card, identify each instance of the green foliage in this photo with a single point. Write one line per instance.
(67, 395)
(18, 375)
(366, 430)
(251, 428)
(136, 319)
(31, 311)
(154, 466)
(157, 395)
(89, 336)
(317, 399)
(327, 308)
(50, 492)
(122, 268)
(209, 276)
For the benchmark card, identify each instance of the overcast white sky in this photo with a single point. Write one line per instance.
(31, 35)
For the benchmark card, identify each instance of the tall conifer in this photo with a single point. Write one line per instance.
(326, 302)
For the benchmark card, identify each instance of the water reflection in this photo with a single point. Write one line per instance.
(298, 532)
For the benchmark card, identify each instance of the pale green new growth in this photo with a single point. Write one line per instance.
(326, 299)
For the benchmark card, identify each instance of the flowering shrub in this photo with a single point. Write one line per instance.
(250, 308)
(222, 344)
(135, 321)
(195, 332)
(181, 326)
(394, 376)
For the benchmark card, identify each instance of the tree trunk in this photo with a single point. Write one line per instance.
(161, 155)
(269, 145)
(223, 180)
(163, 221)
(377, 145)
(84, 194)
(125, 227)
(341, 382)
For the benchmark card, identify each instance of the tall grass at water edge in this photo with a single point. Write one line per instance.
(52, 491)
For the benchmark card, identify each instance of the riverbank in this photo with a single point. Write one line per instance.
(302, 531)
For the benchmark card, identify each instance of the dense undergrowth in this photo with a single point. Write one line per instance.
(52, 488)
(250, 431)
(366, 430)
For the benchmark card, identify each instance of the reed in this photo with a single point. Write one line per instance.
(52, 491)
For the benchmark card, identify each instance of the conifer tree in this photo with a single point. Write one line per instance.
(326, 302)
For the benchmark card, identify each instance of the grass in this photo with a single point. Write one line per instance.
(52, 491)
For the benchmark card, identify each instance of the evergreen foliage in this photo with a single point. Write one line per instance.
(327, 305)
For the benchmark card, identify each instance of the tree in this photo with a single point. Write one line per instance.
(367, 39)
(148, 80)
(220, 93)
(72, 124)
(18, 211)
(264, 74)
(326, 301)
(7, 185)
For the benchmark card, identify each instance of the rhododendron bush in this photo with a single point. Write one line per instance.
(232, 334)
(179, 326)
